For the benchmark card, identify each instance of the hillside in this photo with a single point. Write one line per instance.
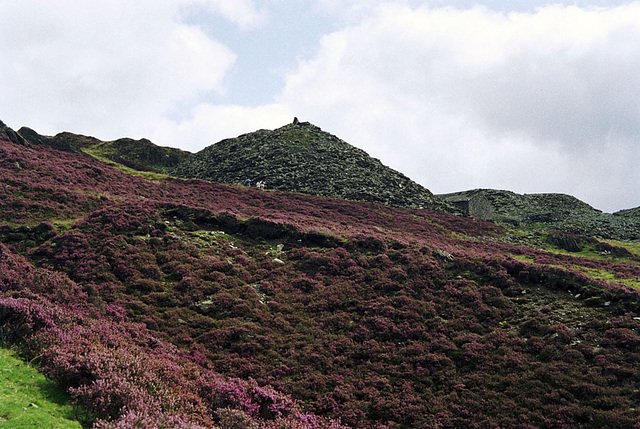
(29, 400)
(186, 303)
(327, 166)
(630, 213)
(141, 155)
(546, 212)
(300, 157)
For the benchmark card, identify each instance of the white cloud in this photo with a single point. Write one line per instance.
(209, 124)
(91, 65)
(468, 98)
(244, 13)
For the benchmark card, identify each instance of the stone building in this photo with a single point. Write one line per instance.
(472, 203)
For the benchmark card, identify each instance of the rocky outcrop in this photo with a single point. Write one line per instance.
(142, 154)
(66, 142)
(300, 157)
(12, 135)
(546, 212)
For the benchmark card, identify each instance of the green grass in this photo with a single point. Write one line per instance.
(103, 157)
(523, 258)
(594, 273)
(64, 225)
(631, 246)
(29, 400)
(607, 276)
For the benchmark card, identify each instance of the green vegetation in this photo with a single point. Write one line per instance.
(28, 399)
(100, 155)
(607, 276)
(589, 251)
(631, 246)
(523, 258)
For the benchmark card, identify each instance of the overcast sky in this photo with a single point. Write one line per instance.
(529, 96)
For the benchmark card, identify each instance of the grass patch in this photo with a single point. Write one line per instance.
(594, 273)
(631, 246)
(588, 252)
(64, 225)
(523, 258)
(609, 277)
(29, 400)
(102, 157)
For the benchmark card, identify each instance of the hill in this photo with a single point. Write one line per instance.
(141, 155)
(546, 212)
(300, 157)
(630, 213)
(186, 303)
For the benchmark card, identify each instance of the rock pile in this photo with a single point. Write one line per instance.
(300, 157)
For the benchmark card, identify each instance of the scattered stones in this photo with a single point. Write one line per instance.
(443, 255)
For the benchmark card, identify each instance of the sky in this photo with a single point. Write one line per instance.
(524, 95)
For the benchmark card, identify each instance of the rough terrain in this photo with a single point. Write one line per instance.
(185, 303)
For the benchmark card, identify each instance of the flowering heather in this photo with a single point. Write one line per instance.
(183, 303)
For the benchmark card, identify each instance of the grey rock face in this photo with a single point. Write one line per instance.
(12, 135)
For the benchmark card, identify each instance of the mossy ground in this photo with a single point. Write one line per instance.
(29, 400)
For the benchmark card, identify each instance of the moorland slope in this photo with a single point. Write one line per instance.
(186, 303)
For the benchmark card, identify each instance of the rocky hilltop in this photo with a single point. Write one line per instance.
(11, 135)
(546, 212)
(630, 213)
(300, 157)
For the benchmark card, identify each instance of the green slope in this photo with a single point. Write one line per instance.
(29, 400)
